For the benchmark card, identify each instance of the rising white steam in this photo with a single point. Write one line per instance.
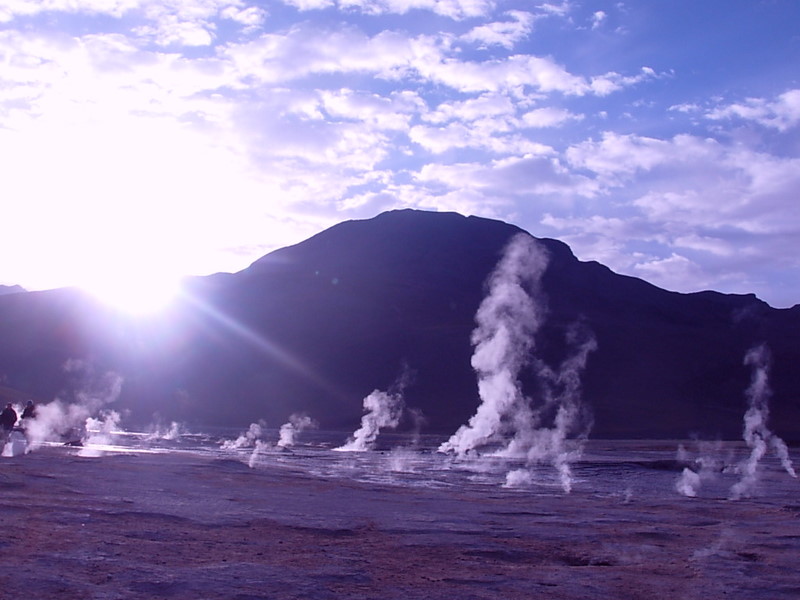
(290, 430)
(259, 448)
(250, 439)
(159, 431)
(65, 421)
(688, 483)
(247, 439)
(507, 321)
(711, 459)
(757, 435)
(561, 443)
(100, 432)
(382, 410)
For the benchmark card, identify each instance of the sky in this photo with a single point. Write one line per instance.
(145, 140)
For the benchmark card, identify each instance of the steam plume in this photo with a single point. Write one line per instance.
(706, 466)
(291, 429)
(507, 320)
(688, 483)
(247, 439)
(62, 420)
(259, 447)
(504, 339)
(99, 432)
(383, 409)
(562, 443)
(159, 431)
(757, 435)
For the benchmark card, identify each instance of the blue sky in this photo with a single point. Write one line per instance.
(142, 140)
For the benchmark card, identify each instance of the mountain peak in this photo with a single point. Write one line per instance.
(317, 326)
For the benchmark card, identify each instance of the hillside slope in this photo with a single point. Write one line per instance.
(317, 326)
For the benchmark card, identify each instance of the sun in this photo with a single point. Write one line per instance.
(136, 296)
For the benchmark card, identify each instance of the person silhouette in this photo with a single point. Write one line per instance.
(30, 410)
(8, 419)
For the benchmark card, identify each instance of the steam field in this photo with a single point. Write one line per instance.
(517, 503)
(189, 517)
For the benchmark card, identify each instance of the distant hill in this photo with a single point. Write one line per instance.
(11, 289)
(317, 326)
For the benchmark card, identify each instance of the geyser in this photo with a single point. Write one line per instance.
(508, 422)
(757, 435)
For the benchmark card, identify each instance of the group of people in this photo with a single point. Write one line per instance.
(8, 418)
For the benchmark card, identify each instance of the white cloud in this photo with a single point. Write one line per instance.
(782, 114)
(689, 212)
(472, 109)
(514, 74)
(441, 198)
(172, 30)
(251, 16)
(560, 10)
(306, 50)
(521, 177)
(11, 9)
(454, 9)
(488, 134)
(303, 51)
(168, 22)
(502, 33)
(598, 18)
(704, 243)
(685, 108)
(613, 227)
(393, 112)
(602, 85)
(675, 272)
(101, 76)
(548, 117)
(310, 4)
(600, 238)
(693, 181)
(616, 155)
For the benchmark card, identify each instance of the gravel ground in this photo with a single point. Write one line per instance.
(186, 527)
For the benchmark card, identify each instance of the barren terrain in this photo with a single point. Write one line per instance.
(181, 525)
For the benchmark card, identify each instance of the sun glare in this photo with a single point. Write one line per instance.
(134, 296)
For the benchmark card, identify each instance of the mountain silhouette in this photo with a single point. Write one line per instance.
(317, 326)
(11, 289)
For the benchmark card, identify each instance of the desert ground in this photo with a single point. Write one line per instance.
(188, 526)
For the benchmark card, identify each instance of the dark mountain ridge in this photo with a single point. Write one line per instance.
(317, 326)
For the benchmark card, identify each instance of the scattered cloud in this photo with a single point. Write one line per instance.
(394, 112)
(502, 33)
(548, 117)
(675, 272)
(490, 105)
(598, 18)
(782, 113)
(454, 9)
(299, 113)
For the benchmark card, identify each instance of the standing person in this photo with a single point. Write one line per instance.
(30, 410)
(7, 419)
